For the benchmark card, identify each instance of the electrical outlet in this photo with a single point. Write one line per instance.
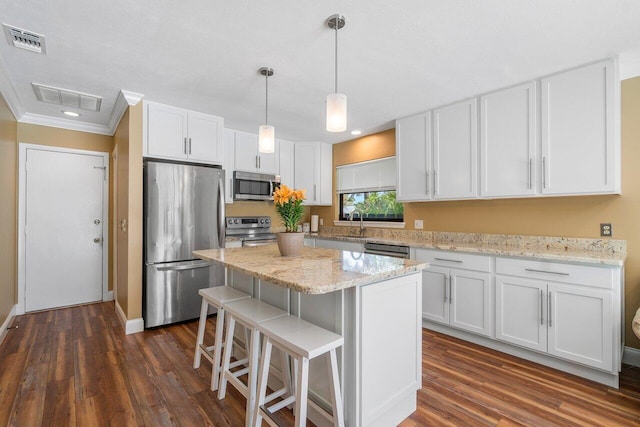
(418, 224)
(606, 230)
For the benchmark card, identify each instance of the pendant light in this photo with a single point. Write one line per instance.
(336, 102)
(266, 133)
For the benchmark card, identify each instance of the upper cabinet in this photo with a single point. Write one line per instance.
(572, 149)
(249, 159)
(229, 142)
(455, 151)
(580, 122)
(179, 134)
(286, 162)
(313, 171)
(508, 147)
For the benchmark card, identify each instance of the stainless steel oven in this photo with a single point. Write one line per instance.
(251, 230)
(254, 186)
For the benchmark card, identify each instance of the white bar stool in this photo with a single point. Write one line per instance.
(303, 341)
(250, 313)
(217, 297)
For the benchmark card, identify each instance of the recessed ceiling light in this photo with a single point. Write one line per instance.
(356, 132)
(71, 113)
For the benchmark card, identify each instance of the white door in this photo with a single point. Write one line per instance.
(471, 301)
(413, 155)
(435, 303)
(246, 145)
(455, 151)
(205, 143)
(520, 312)
(63, 228)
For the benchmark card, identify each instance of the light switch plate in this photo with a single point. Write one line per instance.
(418, 224)
(606, 230)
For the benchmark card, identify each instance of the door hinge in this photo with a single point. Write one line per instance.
(104, 171)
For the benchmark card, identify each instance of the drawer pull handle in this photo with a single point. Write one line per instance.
(448, 260)
(533, 270)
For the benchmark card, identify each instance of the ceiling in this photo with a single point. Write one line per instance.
(396, 58)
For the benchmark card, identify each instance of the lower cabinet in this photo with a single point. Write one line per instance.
(455, 296)
(342, 245)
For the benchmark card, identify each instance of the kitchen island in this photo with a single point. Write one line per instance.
(373, 301)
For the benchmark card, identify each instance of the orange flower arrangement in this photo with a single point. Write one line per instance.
(289, 206)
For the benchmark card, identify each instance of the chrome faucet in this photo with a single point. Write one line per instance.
(362, 229)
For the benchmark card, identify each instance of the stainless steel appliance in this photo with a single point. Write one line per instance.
(251, 230)
(183, 212)
(254, 186)
(398, 251)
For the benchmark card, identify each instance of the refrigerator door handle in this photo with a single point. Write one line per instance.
(185, 267)
(221, 213)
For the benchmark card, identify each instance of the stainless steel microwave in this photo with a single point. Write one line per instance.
(254, 186)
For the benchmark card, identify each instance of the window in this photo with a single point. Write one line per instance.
(372, 206)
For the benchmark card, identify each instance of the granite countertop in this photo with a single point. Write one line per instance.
(581, 250)
(315, 271)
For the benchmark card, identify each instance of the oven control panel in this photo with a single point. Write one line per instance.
(248, 222)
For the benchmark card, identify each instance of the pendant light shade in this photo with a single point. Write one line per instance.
(266, 133)
(336, 112)
(336, 102)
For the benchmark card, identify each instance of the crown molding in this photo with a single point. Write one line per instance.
(124, 100)
(9, 93)
(38, 119)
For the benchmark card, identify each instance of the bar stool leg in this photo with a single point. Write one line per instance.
(302, 390)
(200, 339)
(285, 367)
(217, 352)
(263, 377)
(231, 323)
(334, 388)
(254, 352)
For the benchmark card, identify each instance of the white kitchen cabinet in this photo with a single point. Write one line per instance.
(249, 159)
(573, 320)
(313, 171)
(286, 162)
(179, 134)
(455, 296)
(455, 151)
(229, 162)
(413, 157)
(341, 245)
(580, 131)
(508, 142)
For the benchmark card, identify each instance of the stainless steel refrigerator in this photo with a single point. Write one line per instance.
(183, 212)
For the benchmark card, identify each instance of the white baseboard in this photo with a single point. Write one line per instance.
(132, 326)
(631, 356)
(7, 322)
(108, 296)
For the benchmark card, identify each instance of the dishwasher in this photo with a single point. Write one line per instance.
(397, 251)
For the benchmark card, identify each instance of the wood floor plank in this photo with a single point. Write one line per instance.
(75, 367)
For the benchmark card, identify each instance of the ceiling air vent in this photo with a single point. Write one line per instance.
(25, 39)
(69, 98)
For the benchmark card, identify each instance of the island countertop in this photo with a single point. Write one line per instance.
(315, 271)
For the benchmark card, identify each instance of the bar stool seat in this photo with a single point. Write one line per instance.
(250, 313)
(217, 297)
(303, 341)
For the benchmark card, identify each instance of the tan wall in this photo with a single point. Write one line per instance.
(548, 216)
(8, 210)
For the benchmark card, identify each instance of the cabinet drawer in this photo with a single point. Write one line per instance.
(455, 259)
(599, 277)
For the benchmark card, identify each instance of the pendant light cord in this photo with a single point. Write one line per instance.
(266, 98)
(336, 58)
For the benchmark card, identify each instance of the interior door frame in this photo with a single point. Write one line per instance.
(22, 180)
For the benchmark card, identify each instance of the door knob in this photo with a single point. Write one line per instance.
(97, 240)
(96, 221)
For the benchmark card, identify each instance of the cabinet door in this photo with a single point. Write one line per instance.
(455, 151)
(229, 150)
(508, 142)
(166, 131)
(246, 151)
(579, 131)
(286, 162)
(521, 312)
(435, 294)
(306, 171)
(471, 301)
(270, 163)
(413, 156)
(206, 142)
(580, 325)
(325, 175)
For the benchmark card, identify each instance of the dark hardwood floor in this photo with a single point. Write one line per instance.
(75, 366)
